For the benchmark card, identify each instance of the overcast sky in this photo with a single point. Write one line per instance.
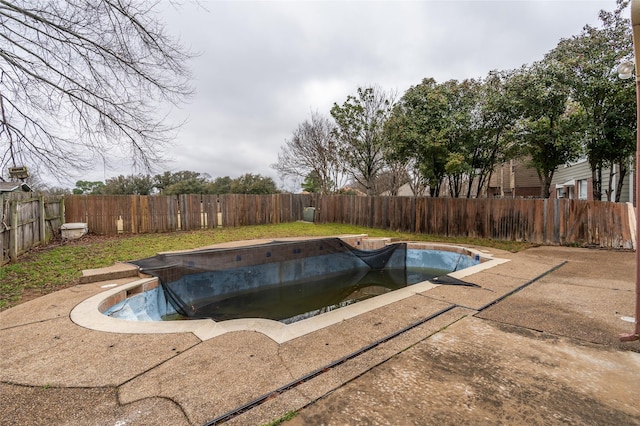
(263, 66)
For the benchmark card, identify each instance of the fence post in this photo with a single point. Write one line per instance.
(291, 213)
(3, 215)
(63, 213)
(43, 220)
(13, 231)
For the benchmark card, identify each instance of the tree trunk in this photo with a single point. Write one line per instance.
(482, 178)
(609, 189)
(545, 183)
(596, 176)
(622, 167)
(471, 177)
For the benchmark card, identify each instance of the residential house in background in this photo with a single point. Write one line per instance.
(15, 173)
(574, 181)
(403, 191)
(6, 187)
(514, 179)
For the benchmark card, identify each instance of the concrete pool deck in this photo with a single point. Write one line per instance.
(547, 354)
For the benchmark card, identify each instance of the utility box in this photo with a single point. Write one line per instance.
(73, 231)
(309, 214)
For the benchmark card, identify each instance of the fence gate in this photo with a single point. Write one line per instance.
(28, 220)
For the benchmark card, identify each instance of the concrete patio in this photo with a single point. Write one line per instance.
(546, 354)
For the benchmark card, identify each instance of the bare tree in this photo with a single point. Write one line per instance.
(82, 80)
(391, 178)
(417, 182)
(313, 149)
(360, 124)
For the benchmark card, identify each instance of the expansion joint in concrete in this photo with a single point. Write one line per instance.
(307, 377)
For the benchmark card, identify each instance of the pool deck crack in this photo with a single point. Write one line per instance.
(27, 324)
(153, 367)
(315, 373)
(522, 286)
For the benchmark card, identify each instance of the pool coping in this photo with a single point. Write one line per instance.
(88, 313)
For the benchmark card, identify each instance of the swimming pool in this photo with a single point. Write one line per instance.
(331, 272)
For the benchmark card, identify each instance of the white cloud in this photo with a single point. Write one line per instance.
(265, 65)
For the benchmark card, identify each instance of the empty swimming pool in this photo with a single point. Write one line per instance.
(281, 281)
(250, 275)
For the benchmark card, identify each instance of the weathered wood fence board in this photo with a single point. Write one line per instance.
(27, 220)
(550, 221)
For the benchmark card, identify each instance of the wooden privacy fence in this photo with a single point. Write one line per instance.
(28, 220)
(113, 214)
(543, 221)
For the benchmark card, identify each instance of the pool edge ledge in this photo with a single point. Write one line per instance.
(87, 314)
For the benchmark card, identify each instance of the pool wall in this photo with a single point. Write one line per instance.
(219, 283)
(151, 305)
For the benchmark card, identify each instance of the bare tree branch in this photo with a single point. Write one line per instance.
(82, 79)
(313, 149)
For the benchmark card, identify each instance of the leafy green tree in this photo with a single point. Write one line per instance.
(590, 59)
(460, 132)
(458, 170)
(311, 184)
(456, 130)
(221, 185)
(360, 123)
(496, 117)
(182, 182)
(188, 186)
(551, 125)
(417, 128)
(619, 132)
(167, 179)
(253, 184)
(89, 187)
(129, 185)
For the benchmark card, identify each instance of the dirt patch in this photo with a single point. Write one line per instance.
(31, 294)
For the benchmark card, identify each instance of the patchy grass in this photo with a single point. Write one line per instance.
(289, 415)
(59, 265)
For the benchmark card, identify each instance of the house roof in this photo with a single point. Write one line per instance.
(13, 186)
(9, 186)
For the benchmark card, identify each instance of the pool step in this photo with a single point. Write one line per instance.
(373, 243)
(114, 272)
